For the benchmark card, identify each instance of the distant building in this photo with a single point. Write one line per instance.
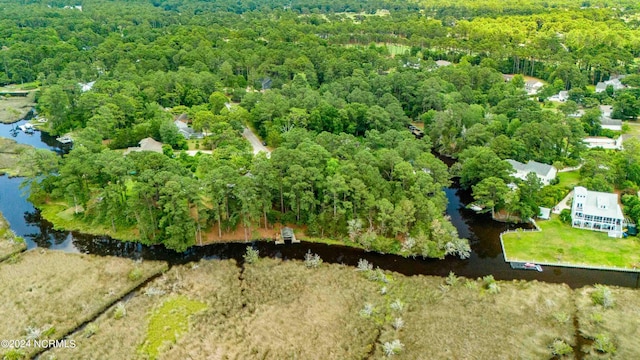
(187, 131)
(613, 81)
(562, 96)
(544, 172)
(611, 124)
(84, 87)
(146, 144)
(603, 142)
(533, 86)
(441, 63)
(597, 211)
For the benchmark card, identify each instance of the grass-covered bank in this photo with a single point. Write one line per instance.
(47, 294)
(559, 243)
(14, 108)
(71, 218)
(10, 244)
(10, 158)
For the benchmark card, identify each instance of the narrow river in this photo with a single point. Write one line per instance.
(480, 229)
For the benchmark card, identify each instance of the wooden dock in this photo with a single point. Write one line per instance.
(286, 234)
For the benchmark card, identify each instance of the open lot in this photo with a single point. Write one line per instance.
(560, 243)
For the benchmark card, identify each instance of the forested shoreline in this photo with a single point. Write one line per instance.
(331, 87)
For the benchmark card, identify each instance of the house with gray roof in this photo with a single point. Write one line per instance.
(533, 86)
(146, 144)
(597, 211)
(606, 122)
(544, 172)
(613, 81)
(186, 131)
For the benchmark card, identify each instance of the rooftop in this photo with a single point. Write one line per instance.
(599, 203)
(531, 166)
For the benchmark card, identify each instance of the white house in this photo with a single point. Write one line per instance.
(611, 124)
(562, 96)
(597, 211)
(613, 81)
(441, 63)
(545, 172)
(533, 86)
(603, 142)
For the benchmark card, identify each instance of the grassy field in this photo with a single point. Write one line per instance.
(47, 294)
(569, 179)
(560, 243)
(10, 152)
(609, 325)
(10, 244)
(64, 217)
(14, 108)
(275, 309)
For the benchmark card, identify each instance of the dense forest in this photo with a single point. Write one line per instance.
(331, 87)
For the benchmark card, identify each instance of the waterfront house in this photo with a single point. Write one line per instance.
(597, 211)
(544, 172)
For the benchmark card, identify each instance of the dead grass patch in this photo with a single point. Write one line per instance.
(620, 322)
(54, 290)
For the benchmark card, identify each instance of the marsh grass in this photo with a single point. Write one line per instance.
(468, 322)
(275, 309)
(10, 163)
(214, 283)
(59, 291)
(617, 325)
(10, 244)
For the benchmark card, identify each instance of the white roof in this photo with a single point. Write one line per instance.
(539, 169)
(600, 203)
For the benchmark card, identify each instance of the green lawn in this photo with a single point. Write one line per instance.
(569, 179)
(560, 243)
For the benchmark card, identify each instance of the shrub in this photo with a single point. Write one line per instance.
(364, 265)
(452, 279)
(120, 311)
(398, 323)
(14, 354)
(565, 216)
(312, 260)
(560, 348)
(562, 317)
(604, 344)
(602, 296)
(490, 284)
(135, 274)
(392, 348)
(90, 330)
(251, 255)
(367, 310)
(397, 305)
